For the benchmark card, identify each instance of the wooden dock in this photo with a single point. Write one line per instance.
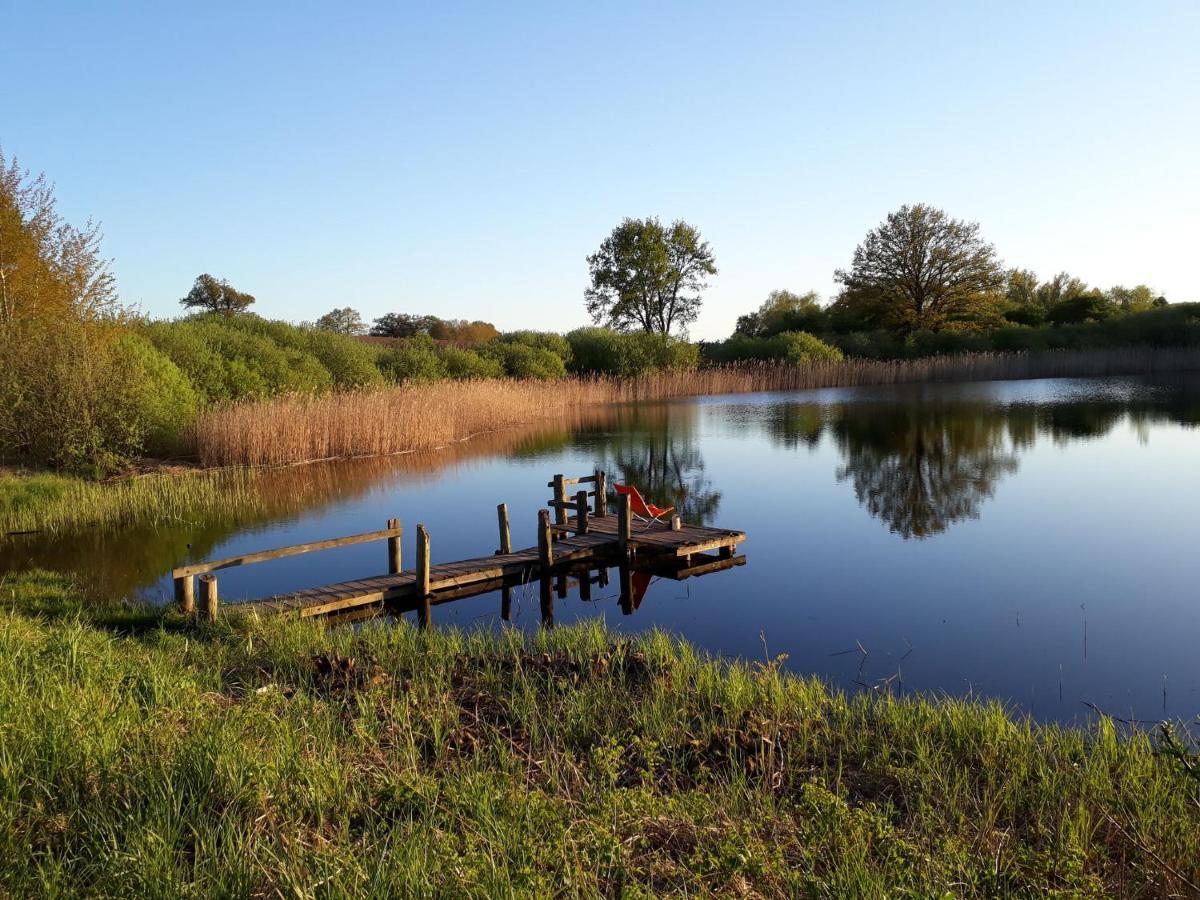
(583, 536)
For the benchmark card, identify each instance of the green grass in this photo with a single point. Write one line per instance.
(143, 755)
(48, 502)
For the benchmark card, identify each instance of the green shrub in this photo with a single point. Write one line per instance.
(945, 343)
(542, 340)
(608, 352)
(523, 361)
(466, 364)
(416, 359)
(792, 347)
(350, 362)
(158, 399)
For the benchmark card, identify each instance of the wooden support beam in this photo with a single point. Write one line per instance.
(395, 557)
(626, 574)
(545, 545)
(601, 493)
(246, 559)
(208, 598)
(585, 586)
(581, 512)
(505, 534)
(676, 523)
(624, 522)
(506, 603)
(422, 583)
(185, 594)
(560, 500)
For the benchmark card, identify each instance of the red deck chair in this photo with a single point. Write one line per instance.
(646, 512)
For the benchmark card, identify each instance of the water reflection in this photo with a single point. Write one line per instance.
(922, 463)
(657, 449)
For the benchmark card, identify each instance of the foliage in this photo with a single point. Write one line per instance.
(417, 360)
(461, 330)
(609, 352)
(790, 347)
(156, 395)
(216, 295)
(524, 361)
(543, 340)
(466, 364)
(342, 321)
(648, 277)
(401, 325)
(156, 756)
(784, 311)
(921, 269)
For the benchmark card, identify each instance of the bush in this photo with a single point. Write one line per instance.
(158, 399)
(946, 342)
(466, 364)
(522, 361)
(608, 352)
(542, 340)
(791, 347)
(416, 360)
(349, 362)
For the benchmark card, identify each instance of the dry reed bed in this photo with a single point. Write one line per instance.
(298, 428)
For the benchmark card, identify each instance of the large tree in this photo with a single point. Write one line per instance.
(783, 311)
(402, 325)
(216, 295)
(342, 321)
(649, 277)
(921, 269)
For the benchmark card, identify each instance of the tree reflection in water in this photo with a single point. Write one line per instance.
(656, 448)
(920, 468)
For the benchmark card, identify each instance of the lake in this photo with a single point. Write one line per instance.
(1034, 541)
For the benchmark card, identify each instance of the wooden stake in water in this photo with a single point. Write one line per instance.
(560, 497)
(581, 512)
(422, 585)
(394, 552)
(505, 535)
(601, 493)
(545, 546)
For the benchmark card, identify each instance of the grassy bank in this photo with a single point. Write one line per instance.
(141, 755)
(298, 428)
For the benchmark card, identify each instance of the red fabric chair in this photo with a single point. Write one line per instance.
(647, 512)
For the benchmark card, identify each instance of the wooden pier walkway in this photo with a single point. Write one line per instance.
(583, 535)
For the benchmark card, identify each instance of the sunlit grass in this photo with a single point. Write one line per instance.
(142, 755)
(49, 502)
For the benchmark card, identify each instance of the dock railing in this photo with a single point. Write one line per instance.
(184, 576)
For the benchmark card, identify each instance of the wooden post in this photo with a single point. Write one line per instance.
(601, 493)
(208, 597)
(624, 522)
(726, 552)
(676, 523)
(506, 604)
(422, 584)
(394, 555)
(185, 596)
(585, 586)
(560, 586)
(547, 602)
(560, 494)
(545, 549)
(505, 535)
(581, 513)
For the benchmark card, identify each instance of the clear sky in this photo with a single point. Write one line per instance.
(463, 160)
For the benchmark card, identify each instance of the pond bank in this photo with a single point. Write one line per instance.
(144, 754)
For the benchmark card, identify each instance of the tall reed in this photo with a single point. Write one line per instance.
(299, 428)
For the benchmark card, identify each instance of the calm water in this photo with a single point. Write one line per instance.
(1035, 541)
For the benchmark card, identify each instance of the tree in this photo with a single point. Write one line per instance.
(48, 268)
(402, 325)
(784, 311)
(342, 321)
(1134, 299)
(216, 295)
(647, 277)
(921, 269)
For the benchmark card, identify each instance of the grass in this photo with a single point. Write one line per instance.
(50, 502)
(143, 755)
(300, 428)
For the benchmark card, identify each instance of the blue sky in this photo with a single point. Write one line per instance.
(463, 160)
